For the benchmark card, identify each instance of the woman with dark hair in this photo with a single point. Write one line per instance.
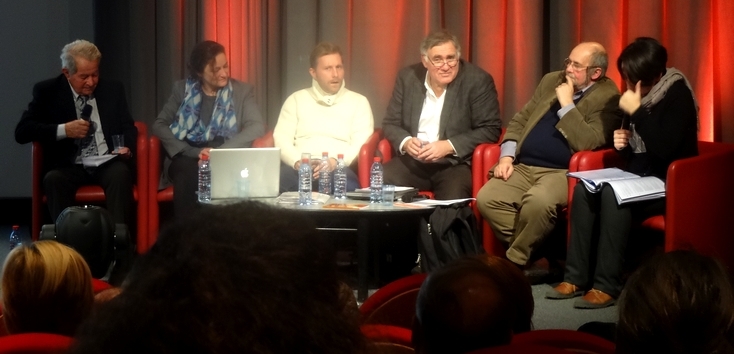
(679, 302)
(260, 281)
(207, 110)
(662, 115)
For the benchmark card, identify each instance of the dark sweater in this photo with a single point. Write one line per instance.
(669, 131)
(545, 146)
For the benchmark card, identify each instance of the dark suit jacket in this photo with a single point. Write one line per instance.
(53, 104)
(470, 115)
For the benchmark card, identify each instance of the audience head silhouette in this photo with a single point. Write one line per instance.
(513, 282)
(46, 287)
(465, 306)
(237, 278)
(679, 302)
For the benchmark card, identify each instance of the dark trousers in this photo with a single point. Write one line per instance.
(115, 177)
(599, 232)
(184, 174)
(289, 180)
(445, 180)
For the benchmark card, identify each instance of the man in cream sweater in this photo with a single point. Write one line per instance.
(324, 117)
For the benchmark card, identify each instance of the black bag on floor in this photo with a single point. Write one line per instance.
(451, 233)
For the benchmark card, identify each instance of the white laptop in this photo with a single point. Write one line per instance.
(262, 166)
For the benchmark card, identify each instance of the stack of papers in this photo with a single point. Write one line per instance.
(628, 187)
(95, 161)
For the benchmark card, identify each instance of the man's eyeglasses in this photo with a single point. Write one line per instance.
(576, 66)
(438, 62)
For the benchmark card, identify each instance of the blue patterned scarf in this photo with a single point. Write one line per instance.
(189, 126)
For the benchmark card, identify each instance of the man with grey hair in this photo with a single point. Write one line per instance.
(74, 117)
(441, 109)
(571, 110)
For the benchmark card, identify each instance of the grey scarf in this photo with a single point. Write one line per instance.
(656, 94)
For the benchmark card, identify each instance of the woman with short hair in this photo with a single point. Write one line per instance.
(209, 109)
(662, 115)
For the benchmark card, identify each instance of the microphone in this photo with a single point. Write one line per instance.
(86, 112)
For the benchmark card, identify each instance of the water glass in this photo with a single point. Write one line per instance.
(118, 142)
(388, 194)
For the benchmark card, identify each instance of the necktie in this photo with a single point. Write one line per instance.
(88, 144)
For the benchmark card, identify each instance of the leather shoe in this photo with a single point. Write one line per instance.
(594, 299)
(564, 290)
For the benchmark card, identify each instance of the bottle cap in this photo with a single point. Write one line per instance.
(205, 157)
(376, 159)
(340, 156)
(15, 227)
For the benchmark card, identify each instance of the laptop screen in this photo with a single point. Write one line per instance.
(261, 166)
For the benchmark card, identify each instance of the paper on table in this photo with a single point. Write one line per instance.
(95, 161)
(397, 189)
(434, 202)
(292, 198)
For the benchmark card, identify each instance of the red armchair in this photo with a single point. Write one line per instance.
(485, 157)
(35, 343)
(394, 303)
(698, 198)
(155, 196)
(94, 194)
(389, 339)
(377, 144)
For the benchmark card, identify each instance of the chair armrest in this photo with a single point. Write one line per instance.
(485, 156)
(366, 154)
(142, 156)
(385, 149)
(381, 333)
(699, 202)
(36, 189)
(264, 141)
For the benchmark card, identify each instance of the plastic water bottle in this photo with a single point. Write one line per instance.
(14, 237)
(205, 181)
(325, 175)
(304, 180)
(376, 181)
(340, 178)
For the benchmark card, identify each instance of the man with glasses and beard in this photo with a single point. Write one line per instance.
(571, 110)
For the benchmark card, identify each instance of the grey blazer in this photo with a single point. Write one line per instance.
(249, 120)
(470, 114)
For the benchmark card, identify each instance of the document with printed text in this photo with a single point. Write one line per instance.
(628, 187)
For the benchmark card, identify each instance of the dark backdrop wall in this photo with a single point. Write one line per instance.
(32, 33)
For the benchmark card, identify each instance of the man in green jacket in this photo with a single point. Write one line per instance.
(571, 110)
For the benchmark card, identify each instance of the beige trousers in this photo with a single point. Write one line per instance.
(523, 210)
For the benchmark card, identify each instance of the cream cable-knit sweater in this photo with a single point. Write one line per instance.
(312, 121)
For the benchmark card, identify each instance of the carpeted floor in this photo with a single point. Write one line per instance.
(560, 314)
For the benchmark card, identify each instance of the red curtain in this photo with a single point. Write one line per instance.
(505, 37)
